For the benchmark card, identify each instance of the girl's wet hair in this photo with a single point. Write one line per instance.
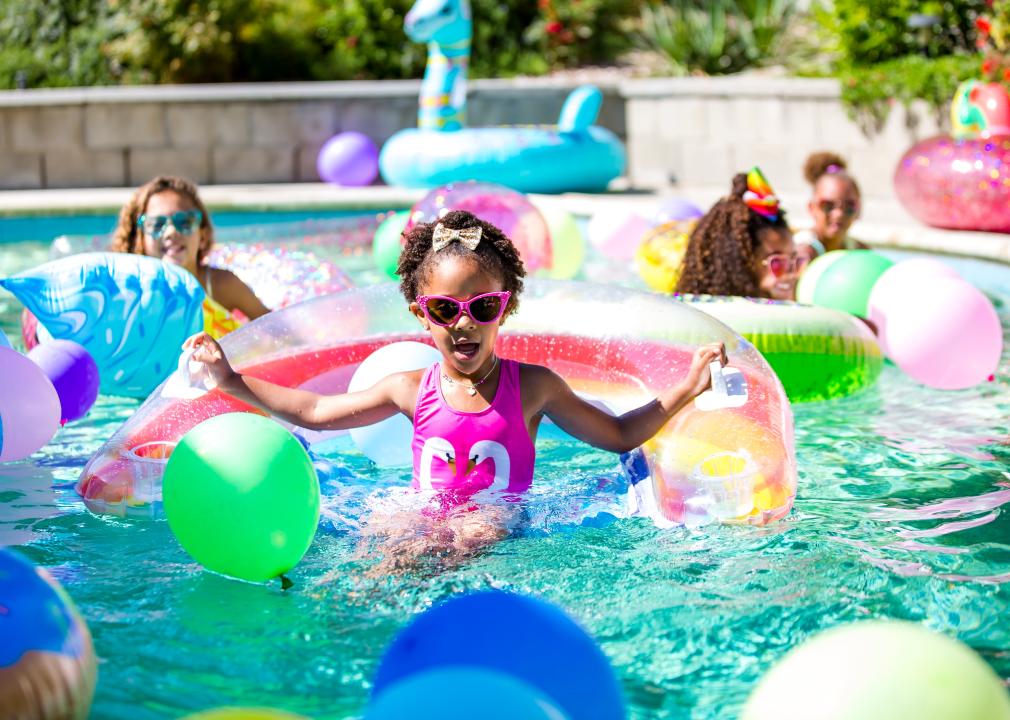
(495, 253)
(820, 164)
(720, 254)
(127, 236)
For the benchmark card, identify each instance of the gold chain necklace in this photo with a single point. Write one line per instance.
(472, 389)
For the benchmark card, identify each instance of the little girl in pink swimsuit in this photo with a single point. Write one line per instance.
(475, 414)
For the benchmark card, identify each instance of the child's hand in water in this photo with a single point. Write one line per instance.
(207, 351)
(698, 376)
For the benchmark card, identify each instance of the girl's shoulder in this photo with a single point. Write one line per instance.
(537, 378)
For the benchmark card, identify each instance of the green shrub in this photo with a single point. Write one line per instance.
(86, 42)
(870, 91)
(891, 51)
(715, 36)
(50, 44)
(872, 31)
(574, 32)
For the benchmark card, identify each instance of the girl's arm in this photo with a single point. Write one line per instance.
(621, 434)
(236, 295)
(301, 407)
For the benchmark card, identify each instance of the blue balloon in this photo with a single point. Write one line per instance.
(462, 693)
(525, 638)
(45, 647)
(130, 312)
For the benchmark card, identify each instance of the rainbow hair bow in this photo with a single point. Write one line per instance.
(759, 196)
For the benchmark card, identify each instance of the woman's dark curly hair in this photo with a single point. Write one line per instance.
(495, 253)
(127, 236)
(720, 254)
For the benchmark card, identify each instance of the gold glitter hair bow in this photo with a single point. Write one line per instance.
(442, 237)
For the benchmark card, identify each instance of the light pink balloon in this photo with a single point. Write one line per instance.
(617, 232)
(29, 406)
(945, 333)
(899, 282)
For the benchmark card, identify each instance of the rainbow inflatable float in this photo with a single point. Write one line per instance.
(573, 155)
(615, 345)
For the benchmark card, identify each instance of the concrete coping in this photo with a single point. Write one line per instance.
(733, 85)
(874, 232)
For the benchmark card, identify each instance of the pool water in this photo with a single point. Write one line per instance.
(900, 512)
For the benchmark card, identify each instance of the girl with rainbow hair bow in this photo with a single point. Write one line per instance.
(743, 246)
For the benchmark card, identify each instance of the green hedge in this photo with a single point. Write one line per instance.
(889, 51)
(96, 42)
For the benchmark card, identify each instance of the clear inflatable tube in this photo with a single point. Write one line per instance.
(615, 345)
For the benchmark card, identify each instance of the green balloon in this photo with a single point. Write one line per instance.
(847, 282)
(879, 670)
(812, 275)
(241, 496)
(568, 247)
(386, 243)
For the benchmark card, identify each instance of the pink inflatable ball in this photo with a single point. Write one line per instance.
(508, 210)
(73, 373)
(350, 159)
(29, 407)
(617, 232)
(675, 209)
(957, 184)
(902, 279)
(943, 332)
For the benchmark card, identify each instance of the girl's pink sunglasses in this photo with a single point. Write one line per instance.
(443, 310)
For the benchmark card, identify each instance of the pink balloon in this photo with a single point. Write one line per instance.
(29, 406)
(508, 210)
(957, 184)
(943, 332)
(896, 284)
(617, 232)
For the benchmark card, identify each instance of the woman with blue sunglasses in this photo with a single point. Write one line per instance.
(165, 218)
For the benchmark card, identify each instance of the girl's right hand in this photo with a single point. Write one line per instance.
(207, 351)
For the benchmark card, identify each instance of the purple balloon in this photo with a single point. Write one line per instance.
(675, 208)
(73, 373)
(350, 159)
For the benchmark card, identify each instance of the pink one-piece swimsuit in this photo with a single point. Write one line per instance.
(472, 451)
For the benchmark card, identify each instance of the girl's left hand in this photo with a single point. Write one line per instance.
(698, 376)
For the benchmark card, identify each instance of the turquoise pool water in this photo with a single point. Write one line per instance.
(901, 512)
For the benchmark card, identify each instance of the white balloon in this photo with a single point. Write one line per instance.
(387, 443)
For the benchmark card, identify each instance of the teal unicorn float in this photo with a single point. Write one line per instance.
(573, 155)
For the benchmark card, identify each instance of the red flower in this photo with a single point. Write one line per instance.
(983, 25)
(1006, 74)
(986, 66)
(554, 27)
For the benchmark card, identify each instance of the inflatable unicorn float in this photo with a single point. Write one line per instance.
(573, 155)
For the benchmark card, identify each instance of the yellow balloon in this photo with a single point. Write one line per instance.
(568, 247)
(661, 254)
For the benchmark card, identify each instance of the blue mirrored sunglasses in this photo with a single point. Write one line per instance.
(184, 222)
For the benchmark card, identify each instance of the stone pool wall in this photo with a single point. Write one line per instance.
(689, 131)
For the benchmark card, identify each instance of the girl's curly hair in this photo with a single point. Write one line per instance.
(819, 164)
(126, 238)
(720, 254)
(495, 253)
